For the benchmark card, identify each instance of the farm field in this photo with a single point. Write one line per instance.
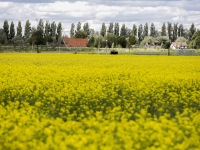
(99, 102)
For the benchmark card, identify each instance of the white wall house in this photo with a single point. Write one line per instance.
(179, 45)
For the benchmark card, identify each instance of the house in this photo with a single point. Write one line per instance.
(75, 42)
(179, 45)
(155, 45)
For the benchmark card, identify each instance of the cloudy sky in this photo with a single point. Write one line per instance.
(95, 12)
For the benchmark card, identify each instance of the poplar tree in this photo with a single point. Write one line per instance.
(180, 30)
(53, 30)
(175, 32)
(6, 28)
(103, 30)
(134, 30)
(47, 29)
(153, 30)
(72, 30)
(170, 29)
(27, 31)
(12, 30)
(116, 30)
(123, 31)
(59, 30)
(140, 33)
(110, 29)
(86, 28)
(163, 32)
(146, 30)
(192, 30)
(19, 29)
(78, 27)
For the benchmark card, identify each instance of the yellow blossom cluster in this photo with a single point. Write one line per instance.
(99, 102)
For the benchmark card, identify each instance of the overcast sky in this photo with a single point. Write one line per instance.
(95, 12)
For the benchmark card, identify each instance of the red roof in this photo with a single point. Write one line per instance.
(75, 42)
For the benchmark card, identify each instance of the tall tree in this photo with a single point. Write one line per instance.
(180, 30)
(27, 31)
(103, 30)
(170, 29)
(19, 29)
(140, 33)
(123, 31)
(59, 30)
(153, 30)
(163, 32)
(47, 28)
(12, 30)
(78, 26)
(53, 30)
(116, 30)
(86, 28)
(134, 30)
(146, 30)
(72, 30)
(6, 28)
(41, 25)
(192, 30)
(175, 31)
(110, 29)
(128, 32)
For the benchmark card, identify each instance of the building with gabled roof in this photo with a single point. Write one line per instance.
(179, 45)
(75, 42)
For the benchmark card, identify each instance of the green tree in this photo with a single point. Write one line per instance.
(175, 32)
(81, 34)
(12, 30)
(72, 30)
(140, 33)
(192, 30)
(103, 30)
(123, 31)
(27, 31)
(110, 39)
(19, 29)
(170, 29)
(132, 39)
(163, 32)
(122, 41)
(91, 42)
(86, 28)
(134, 30)
(147, 39)
(146, 30)
(3, 37)
(47, 32)
(153, 30)
(59, 30)
(78, 27)
(53, 31)
(181, 39)
(180, 30)
(116, 30)
(110, 29)
(164, 41)
(6, 28)
(128, 32)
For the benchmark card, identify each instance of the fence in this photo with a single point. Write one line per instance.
(88, 50)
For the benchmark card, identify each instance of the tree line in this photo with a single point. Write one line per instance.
(111, 36)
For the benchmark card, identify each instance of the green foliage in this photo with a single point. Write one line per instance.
(146, 30)
(116, 30)
(123, 31)
(164, 41)
(195, 41)
(12, 30)
(134, 30)
(6, 28)
(86, 28)
(78, 27)
(80, 34)
(91, 42)
(175, 32)
(103, 30)
(110, 39)
(132, 39)
(122, 41)
(19, 29)
(180, 31)
(153, 30)
(110, 29)
(192, 30)
(3, 37)
(140, 33)
(163, 32)
(170, 29)
(181, 39)
(147, 39)
(72, 30)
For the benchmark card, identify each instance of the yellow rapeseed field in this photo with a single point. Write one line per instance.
(99, 102)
